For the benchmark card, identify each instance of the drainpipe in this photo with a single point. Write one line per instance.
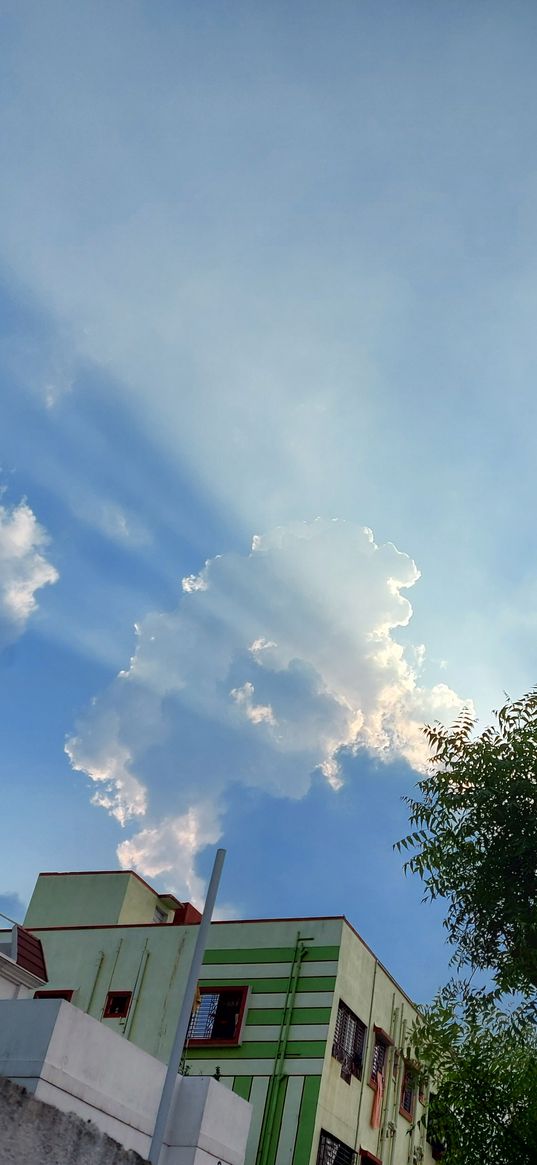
(388, 1084)
(98, 964)
(397, 1087)
(277, 1071)
(186, 1011)
(112, 974)
(137, 990)
(364, 1067)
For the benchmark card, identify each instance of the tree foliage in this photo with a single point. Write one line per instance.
(474, 840)
(484, 1066)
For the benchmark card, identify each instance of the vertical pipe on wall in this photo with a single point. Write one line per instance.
(98, 964)
(388, 1084)
(137, 990)
(277, 1071)
(366, 1054)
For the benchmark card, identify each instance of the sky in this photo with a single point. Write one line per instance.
(267, 425)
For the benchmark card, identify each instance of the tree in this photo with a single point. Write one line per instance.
(474, 837)
(484, 1067)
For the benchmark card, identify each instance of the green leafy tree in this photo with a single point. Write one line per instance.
(484, 1066)
(474, 841)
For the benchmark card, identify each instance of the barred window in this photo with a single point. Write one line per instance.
(379, 1057)
(349, 1042)
(334, 1152)
(408, 1093)
(217, 1016)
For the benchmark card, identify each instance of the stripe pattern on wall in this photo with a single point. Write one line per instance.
(278, 1064)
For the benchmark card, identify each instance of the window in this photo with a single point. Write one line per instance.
(382, 1042)
(408, 1093)
(217, 1016)
(117, 1004)
(334, 1152)
(160, 914)
(60, 994)
(349, 1042)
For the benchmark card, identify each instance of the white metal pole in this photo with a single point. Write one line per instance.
(186, 1010)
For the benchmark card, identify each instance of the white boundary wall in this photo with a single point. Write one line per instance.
(74, 1063)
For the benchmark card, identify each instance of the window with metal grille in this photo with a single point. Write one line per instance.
(408, 1093)
(334, 1152)
(217, 1016)
(379, 1057)
(349, 1042)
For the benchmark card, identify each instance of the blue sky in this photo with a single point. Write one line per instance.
(267, 301)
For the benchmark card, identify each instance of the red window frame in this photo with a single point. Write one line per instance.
(61, 993)
(208, 1041)
(382, 1041)
(109, 1002)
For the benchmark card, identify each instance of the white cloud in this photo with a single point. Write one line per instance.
(23, 568)
(170, 848)
(270, 667)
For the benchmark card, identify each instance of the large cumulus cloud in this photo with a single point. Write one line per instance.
(272, 664)
(24, 569)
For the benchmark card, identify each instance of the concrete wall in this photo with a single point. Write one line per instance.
(344, 1108)
(32, 1132)
(80, 899)
(67, 1059)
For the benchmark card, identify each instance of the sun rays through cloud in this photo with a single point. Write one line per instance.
(272, 665)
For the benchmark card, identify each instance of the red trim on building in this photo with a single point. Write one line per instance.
(379, 1031)
(187, 915)
(66, 994)
(117, 1004)
(366, 1155)
(30, 954)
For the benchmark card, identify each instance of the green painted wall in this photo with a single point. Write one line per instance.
(77, 899)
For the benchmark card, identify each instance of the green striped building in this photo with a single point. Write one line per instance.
(295, 1015)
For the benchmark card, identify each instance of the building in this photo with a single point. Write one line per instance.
(297, 1016)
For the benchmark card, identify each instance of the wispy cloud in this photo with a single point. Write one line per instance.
(24, 569)
(273, 663)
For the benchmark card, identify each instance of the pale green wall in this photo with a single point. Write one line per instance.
(345, 1109)
(95, 961)
(77, 899)
(139, 903)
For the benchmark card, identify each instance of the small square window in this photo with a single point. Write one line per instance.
(60, 994)
(217, 1016)
(161, 915)
(117, 1004)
